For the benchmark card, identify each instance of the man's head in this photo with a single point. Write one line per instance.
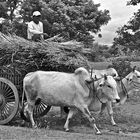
(36, 16)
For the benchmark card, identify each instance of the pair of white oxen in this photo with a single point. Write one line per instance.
(82, 90)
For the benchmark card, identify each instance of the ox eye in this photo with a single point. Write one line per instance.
(114, 75)
(109, 86)
(101, 85)
(138, 76)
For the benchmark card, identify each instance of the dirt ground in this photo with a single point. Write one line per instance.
(50, 127)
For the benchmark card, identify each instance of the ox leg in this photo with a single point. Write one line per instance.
(110, 112)
(87, 113)
(63, 113)
(70, 114)
(103, 106)
(30, 112)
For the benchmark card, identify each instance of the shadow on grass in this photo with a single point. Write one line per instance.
(127, 122)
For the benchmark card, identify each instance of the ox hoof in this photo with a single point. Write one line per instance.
(98, 133)
(114, 124)
(34, 126)
(66, 130)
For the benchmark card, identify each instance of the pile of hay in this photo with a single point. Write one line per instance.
(26, 56)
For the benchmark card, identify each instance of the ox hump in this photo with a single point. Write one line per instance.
(82, 74)
(81, 70)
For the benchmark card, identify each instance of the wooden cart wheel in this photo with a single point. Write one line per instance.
(9, 101)
(41, 109)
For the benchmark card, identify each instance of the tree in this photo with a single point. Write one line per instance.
(71, 19)
(129, 34)
(8, 7)
(133, 2)
(3, 9)
(12, 6)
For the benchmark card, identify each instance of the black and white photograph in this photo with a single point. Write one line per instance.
(69, 69)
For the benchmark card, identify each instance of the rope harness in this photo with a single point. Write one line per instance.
(94, 89)
(135, 84)
(124, 88)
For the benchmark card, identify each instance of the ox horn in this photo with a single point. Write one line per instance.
(91, 72)
(95, 77)
(91, 79)
(91, 75)
(134, 68)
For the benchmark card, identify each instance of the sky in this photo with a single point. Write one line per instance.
(120, 15)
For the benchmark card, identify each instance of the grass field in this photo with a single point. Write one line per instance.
(50, 126)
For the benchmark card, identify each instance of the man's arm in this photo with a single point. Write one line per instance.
(45, 34)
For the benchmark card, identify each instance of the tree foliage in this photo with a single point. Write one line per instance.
(129, 34)
(123, 67)
(3, 9)
(73, 19)
(133, 2)
(8, 7)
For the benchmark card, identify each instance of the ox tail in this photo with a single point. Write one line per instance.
(22, 115)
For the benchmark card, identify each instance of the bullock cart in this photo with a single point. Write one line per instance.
(21, 54)
(10, 96)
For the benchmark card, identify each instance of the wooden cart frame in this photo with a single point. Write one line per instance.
(11, 85)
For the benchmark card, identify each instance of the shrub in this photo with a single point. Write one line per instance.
(20, 29)
(123, 67)
(125, 58)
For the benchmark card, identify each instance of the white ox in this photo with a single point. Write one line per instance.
(75, 90)
(96, 74)
(130, 83)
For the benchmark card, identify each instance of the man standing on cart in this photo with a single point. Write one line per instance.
(35, 28)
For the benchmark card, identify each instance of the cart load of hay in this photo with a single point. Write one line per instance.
(22, 56)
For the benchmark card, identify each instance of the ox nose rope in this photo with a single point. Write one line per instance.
(94, 89)
(98, 98)
(124, 88)
(136, 84)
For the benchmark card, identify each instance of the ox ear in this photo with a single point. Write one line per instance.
(105, 76)
(134, 68)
